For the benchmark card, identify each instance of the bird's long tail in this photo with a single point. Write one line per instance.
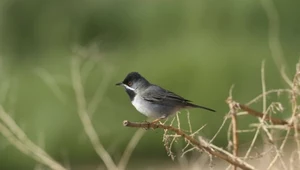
(197, 106)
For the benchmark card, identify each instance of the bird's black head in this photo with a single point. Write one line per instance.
(132, 78)
(134, 81)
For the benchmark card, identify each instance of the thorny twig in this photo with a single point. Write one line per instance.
(282, 124)
(234, 128)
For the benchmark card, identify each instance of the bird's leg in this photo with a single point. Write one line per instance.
(148, 123)
(164, 121)
(155, 121)
(158, 120)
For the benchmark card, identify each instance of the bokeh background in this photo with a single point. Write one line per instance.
(197, 49)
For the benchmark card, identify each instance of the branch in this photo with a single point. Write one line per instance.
(275, 46)
(203, 145)
(235, 138)
(255, 113)
(16, 136)
(84, 117)
(129, 149)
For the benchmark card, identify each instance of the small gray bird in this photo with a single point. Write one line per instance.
(152, 100)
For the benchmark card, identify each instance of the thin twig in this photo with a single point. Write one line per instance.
(294, 118)
(263, 84)
(130, 147)
(189, 121)
(255, 113)
(84, 117)
(102, 88)
(273, 38)
(235, 139)
(219, 130)
(274, 32)
(265, 112)
(51, 82)
(197, 131)
(15, 135)
(278, 91)
(224, 121)
(280, 127)
(285, 77)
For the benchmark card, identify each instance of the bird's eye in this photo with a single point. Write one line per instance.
(130, 83)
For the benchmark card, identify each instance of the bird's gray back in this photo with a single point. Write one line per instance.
(158, 95)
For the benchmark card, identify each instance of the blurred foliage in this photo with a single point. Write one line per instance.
(197, 49)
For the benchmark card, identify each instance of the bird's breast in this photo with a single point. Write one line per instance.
(142, 106)
(150, 109)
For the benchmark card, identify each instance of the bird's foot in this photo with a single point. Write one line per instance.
(147, 123)
(154, 122)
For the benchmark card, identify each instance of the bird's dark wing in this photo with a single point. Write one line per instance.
(158, 95)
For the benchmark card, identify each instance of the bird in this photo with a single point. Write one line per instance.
(152, 100)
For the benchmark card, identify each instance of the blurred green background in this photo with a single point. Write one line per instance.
(197, 49)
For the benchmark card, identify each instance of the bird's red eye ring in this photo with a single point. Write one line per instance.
(130, 83)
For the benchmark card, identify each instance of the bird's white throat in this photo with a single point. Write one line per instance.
(129, 88)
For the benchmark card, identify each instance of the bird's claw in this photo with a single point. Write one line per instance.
(147, 124)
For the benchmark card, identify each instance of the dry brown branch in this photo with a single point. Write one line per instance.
(274, 32)
(202, 145)
(273, 120)
(263, 84)
(51, 82)
(255, 113)
(80, 74)
(99, 93)
(85, 111)
(279, 127)
(16, 136)
(278, 91)
(189, 121)
(234, 128)
(235, 138)
(262, 120)
(275, 45)
(294, 119)
(219, 130)
(84, 117)
(285, 77)
(166, 139)
(169, 139)
(130, 147)
(22, 147)
(192, 134)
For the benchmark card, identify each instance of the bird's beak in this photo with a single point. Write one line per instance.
(119, 84)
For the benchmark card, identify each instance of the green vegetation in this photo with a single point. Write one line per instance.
(196, 48)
